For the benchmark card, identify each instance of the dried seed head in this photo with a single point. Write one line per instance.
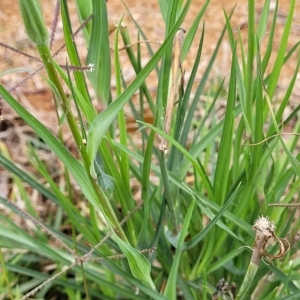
(264, 226)
(264, 237)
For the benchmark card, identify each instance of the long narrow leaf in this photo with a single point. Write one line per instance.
(102, 122)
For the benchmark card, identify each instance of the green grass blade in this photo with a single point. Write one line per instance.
(72, 51)
(102, 122)
(225, 148)
(134, 63)
(196, 239)
(84, 10)
(199, 91)
(183, 105)
(190, 35)
(240, 80)
(170, 290)
(281, 51)
(73, 165)
(250, 61)
(139, 265)
(263, 21)
(271, 35)
(99, 52)
(168, 195)
(143, 235)
(164, 4)
(185, 153)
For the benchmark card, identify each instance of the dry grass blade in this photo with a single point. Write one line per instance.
(176, 75)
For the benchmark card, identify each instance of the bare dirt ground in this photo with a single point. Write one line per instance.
(148, 15)
(36, 96)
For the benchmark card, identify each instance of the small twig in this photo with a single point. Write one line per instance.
(71, 68)
(120, 256)
(19, 52)
(24, 80)
(284, 205)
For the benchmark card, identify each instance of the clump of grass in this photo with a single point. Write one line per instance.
(192, 230)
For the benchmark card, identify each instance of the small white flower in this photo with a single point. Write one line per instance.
(91, 67)
(264, 225)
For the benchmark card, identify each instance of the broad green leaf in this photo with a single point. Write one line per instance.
(139, 265)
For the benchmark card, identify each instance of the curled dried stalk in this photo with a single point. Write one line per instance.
(176, 75)
(265, 236)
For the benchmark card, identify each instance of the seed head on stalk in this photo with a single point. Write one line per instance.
(265, 236)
